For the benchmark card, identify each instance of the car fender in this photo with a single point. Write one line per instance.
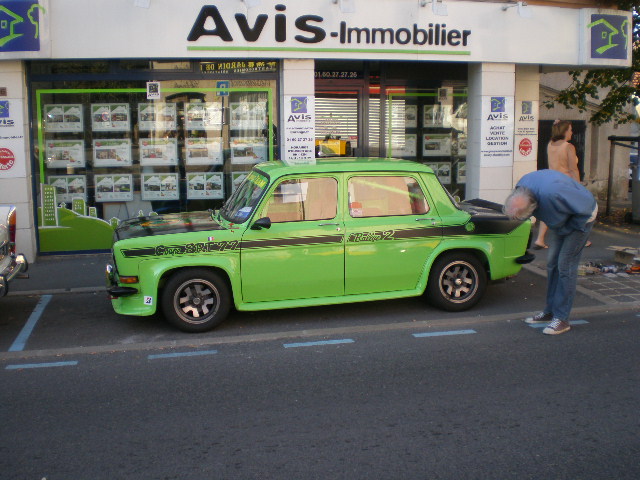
(153, 272)
(483, 248)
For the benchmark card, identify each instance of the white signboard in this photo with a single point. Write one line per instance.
(299, 129)
(497, 125)
(12, 158)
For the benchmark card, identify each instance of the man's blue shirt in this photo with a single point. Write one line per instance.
(563, 204)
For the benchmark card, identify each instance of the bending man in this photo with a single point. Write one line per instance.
(569, 210)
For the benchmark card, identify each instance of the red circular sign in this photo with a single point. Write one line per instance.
(7, 159)
(525, 147)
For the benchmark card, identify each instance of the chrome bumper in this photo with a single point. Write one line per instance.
(17, 268)
(113, 289)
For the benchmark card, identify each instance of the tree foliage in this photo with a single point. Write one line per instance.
(614, 91)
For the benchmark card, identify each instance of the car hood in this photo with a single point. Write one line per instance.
(166, 224)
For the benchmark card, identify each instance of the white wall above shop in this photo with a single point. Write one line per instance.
(378, 29)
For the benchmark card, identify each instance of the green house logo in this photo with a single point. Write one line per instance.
(609, 36)
(20, 26)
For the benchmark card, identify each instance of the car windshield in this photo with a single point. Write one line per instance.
(242, 202)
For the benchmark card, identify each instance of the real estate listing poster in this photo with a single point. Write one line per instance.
(249, 150)
(112, 152)
(64, 153)
(204, 151)
(69, 187)
(157, 116)
(110, 117)
(114, 188)
(160, 186)
(63, 118)
(204, 185)
(203, 116)
(158, 151)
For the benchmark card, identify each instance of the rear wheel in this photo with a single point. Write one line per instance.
(196, 300)
(457, 282)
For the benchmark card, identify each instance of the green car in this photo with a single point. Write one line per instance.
(339, 231)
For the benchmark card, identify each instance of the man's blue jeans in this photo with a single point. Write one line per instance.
(562, 270)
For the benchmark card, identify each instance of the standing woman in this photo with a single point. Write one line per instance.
(562, 157)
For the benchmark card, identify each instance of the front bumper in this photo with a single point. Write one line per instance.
(17, 268)
(114, 290)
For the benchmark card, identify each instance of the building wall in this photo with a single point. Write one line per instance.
(16, 188)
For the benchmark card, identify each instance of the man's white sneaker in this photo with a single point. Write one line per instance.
(556, 327)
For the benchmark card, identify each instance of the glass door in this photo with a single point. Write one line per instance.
(339, 128)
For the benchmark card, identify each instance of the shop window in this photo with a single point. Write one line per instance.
(303, 199)
(430, 126)
(107, 154)
(382, 196)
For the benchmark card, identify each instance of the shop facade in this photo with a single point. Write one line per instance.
(123, 108)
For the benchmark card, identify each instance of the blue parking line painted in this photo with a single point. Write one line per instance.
(182, 354)
(442, 334)
(313, 344)
(40, 365)
(571, 322)
(27, 330)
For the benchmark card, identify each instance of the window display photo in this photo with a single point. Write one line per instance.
(113, 188)
(436, 144)
(110, 117)
(160, 186)
(157, 116)
(204, 151)
(158, 151)
(204, 185)
(65, 153)
(112, 153)
(203, 116)
(63, 118)
(69, 187)
(249, 150)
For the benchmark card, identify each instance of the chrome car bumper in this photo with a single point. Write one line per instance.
(113, 289)
(17, 268)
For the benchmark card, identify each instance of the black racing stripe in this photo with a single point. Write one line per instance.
(483, 226)
(139, 252)
(418, 232)
(291, 242)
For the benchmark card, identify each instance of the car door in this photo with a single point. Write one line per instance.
(302, 254)
(391, 231)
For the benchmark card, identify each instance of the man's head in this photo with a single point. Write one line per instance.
(520, 204)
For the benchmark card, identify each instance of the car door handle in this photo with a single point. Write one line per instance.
(325, 224)
(434, 221)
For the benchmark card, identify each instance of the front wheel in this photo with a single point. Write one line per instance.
(457, 282)
(196, 300)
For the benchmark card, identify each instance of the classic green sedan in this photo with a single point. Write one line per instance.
(339, 231)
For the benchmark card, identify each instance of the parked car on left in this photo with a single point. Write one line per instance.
(12, 265)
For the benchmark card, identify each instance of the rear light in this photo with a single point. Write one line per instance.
(128, 279)
(12, 231)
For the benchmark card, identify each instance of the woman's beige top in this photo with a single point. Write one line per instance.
(562, 157)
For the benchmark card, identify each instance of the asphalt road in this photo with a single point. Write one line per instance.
(389, 390)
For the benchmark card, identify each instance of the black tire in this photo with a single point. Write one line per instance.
(195, 300)
(457, 282)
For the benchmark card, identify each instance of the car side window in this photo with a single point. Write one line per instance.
(302, 199)
(382, 196)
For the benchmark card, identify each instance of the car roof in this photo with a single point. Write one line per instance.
(343, 164)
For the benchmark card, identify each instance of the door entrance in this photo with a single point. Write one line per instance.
(339, 127)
